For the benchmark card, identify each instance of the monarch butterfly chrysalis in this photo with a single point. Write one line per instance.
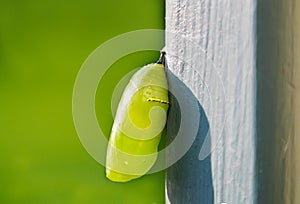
(140, 119)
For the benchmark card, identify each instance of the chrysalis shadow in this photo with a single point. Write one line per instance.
(189, 180)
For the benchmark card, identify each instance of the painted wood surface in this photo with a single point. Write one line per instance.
(210, 48)
(296, 152)
(278, 101)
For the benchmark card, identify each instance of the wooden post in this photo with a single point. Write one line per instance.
(278, 110)
(296, 153)
(210, 47)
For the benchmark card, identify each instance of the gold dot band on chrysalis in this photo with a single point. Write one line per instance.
(158, 100)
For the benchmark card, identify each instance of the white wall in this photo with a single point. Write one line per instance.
(211, 47)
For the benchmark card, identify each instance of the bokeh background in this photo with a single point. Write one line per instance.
(42, 47)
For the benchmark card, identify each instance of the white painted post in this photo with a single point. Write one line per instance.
(210, 47)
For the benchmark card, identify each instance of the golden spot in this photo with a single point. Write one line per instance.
(157, 100)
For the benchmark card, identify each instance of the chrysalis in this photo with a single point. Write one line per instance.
(140, 119)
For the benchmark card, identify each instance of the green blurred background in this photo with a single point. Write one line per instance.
(42, 47)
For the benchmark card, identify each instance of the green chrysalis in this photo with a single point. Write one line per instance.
(140, 119)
